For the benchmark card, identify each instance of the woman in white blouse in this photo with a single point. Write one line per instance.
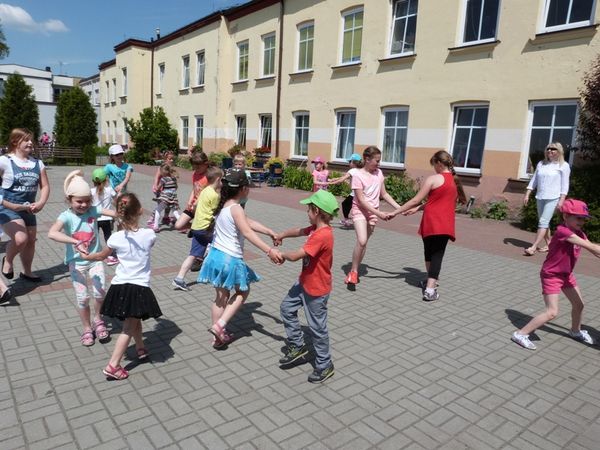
(551, 179)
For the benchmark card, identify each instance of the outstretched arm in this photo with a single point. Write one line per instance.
(294, 255)
(594, 249)
(241, 222)
(417, 199)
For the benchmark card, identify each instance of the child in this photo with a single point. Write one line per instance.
(224, 266)
(557, 274)
(355, 162)
(118, 171)
(168, 195)
(169, 159)
(312, 289)
(202, 230)
(129, 297)
(77, 227)
(103, 196)
(199, 162)
(320, 174)
(239, 162)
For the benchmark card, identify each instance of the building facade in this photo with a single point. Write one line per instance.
(91, 86)
(491, 81)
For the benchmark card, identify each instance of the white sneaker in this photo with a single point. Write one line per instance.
(523, 340)
(581, 336)
(431, 297)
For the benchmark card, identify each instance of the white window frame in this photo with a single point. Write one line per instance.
(295, 115)
(246, 45)
(238, 129)
(124, 138)
(124, 78)
(198, 137)
(308, 41)
(262, 130)
(532, 104)
(114, 91)
(108, 135)
(161, 77)
(107, 98)
(391, 109)
(200, 68)
(338, 112)
(463, 24)
(268, 52)
(114, 127)
(453, 134)
(546, 8)
(185, 131)
(185, 72)
(393, 23)
(352, 11)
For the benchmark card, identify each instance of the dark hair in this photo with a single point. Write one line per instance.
(325, 216)
(17, 135)
(129, 210)
(443, 157)
(198, 158)
(370, 152)
(228, 192)
(212, 173)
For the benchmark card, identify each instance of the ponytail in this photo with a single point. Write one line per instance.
(445, 158)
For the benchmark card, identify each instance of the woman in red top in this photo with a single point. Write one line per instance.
(437, 223)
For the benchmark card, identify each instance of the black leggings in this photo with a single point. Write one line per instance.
(434, 248)
(106, 227)
(347, 206)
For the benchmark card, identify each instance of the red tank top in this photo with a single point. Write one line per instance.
(438, 216)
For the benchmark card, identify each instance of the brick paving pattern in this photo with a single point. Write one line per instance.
(409, 374)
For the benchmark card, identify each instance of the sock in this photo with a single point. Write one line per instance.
(430, 291)
(156, 218)
(176, 215)
(221, 323)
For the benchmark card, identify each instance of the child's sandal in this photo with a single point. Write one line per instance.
(142, 354)
(87, 338)
(100, 330)
(115, 373)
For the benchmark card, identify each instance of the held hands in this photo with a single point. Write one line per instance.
(411, 211)
(277, 239)
(275, 256)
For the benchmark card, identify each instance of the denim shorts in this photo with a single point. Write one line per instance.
(545, 210)
(8, 215)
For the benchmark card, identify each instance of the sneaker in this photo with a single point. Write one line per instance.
(179, 284)
(293, 354)
(318, 376)
(430, 297)
(523, 340)
(111, 261)
(352, 278)
(581, 336)
(423, 285)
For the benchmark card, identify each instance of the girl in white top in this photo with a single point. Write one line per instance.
(551, 180)
(103, 196)
(224, 267)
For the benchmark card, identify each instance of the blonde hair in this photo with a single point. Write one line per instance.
(18, 135)
(561, 153)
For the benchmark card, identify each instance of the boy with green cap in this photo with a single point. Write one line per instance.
(103, 196)
(312, 289)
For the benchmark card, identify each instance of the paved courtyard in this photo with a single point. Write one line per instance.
(409, 374)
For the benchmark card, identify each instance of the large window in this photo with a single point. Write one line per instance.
(559, 14)
(306, 33)
(240, 122)
(468, 137)
(113, 97)
(114, 129)
(185, 72)
(268, 55)
(352, 35)
(199, 130)
(266, 122)
(124, 79)
(395, 127)
(124, 137)
(404, 27)
(481, 20)
(185, 131)
(345, 129)
(242, 71)
(200, 68)
(107, 98)
(161, 77)
(551, 122)
(108, 135)
(301, 126)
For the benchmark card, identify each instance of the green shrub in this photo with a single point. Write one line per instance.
(497, 210)
(89, 154)
(297, 178)
(477, 213)
(101, 151)
(341, 189)
(400, 187)
(216, 158)
(183, 162)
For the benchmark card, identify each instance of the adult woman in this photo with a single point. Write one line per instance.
(437, 224)
(551, 179)
(22, 176)
(368, 187)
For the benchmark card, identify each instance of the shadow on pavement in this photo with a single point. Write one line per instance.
(244, 321)
(516, 243)
(158, 343)
(49, 275)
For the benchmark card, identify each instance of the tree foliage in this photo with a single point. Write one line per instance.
(150, 133)
(589, 116)
(18, 108)
(4, 49)
(75, 120)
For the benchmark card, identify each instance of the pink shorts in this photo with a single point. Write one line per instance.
(556, 283)
(358, 214)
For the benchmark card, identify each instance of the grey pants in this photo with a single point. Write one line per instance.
(315, 310)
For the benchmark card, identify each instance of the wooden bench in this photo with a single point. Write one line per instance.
(62, 154)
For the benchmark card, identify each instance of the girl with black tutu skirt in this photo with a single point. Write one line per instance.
(129, 297)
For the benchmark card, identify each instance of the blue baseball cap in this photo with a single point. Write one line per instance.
(355, 157)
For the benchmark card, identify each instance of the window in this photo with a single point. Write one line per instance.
(468, 137)
(562, 14)
(124, 137)
(345, 128)
(306, 35)
(113, 97)
(199, 130)
(268, 55)
(242, 61)
(200, 68)
(96, 96)
(107, 98)
(240, 122)
(108, 130)
(185, 72)
(124, 77)
(395, 127)
(352, 36)
(301, 134)
(185, 132)
(114, 129)
(481, 20)
(266, 122)
(551, 122)
(404, 27)
(161, 77)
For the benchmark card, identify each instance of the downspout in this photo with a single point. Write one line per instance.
(279, 76)
(152, 76)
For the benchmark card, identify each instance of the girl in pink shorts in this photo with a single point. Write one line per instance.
(557, 274)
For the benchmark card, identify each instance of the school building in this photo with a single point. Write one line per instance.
(491, 81)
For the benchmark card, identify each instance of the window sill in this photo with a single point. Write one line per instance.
(239, 82)
(398, 58)
(184, 90)
(392, 166)
(299, 158)
(265, 78)
(351, 65)
(524, 180)
(470, 173)
(159, 95)
(477, 47)
(301, 72)
(564, 35)
(106, 104)
(198, 86)
(123, 97)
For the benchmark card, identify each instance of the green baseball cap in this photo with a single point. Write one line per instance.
(98, 175)
(324, 200)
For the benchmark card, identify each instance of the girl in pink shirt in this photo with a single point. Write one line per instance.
(320, 174)
(557, 274)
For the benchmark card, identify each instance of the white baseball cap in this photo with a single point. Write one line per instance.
(115, 149)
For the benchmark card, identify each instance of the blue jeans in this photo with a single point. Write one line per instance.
(315, 310)
(545, 209)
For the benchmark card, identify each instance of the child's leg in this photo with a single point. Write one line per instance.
(574, 296)
(288, 311)
(184, 219)
(218, 306)
(129, 328)
(96, 273)
(81, 295)
(235, 303)
(315, 310)
(363, 232)
(137, 334)
(186, 265)
(159, 209)
(435, 247)
(551, 301)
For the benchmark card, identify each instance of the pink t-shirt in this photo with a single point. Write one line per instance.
(319, 176)
(370, 183)
(562, 255)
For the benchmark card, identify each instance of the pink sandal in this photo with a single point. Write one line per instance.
(115, 373)
(227, 338)
(142, 353)
(87, 338)
(100, 330)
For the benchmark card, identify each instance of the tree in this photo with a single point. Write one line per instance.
(150, 133)
(589, 115)
(18, 108)
(4, 49)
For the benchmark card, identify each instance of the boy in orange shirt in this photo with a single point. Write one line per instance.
(312, 289)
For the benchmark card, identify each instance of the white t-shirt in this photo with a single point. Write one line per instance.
(104, 202)
(6, 167)
(133, 250)
(228, 238)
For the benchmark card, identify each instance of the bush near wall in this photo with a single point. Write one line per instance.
(297, 178)
(584, 185)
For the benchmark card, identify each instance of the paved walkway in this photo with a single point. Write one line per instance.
(409, 374)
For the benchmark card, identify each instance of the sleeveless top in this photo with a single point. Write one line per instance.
(25, 183)
(438, 216)
(227, 237)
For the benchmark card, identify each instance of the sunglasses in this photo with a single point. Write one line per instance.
(551, 149)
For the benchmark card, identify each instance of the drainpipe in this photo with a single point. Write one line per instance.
(152, 75)
(279, 76)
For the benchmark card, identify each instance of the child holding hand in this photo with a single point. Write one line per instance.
(320, 174)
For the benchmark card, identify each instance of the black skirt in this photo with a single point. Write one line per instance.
(130, 300)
